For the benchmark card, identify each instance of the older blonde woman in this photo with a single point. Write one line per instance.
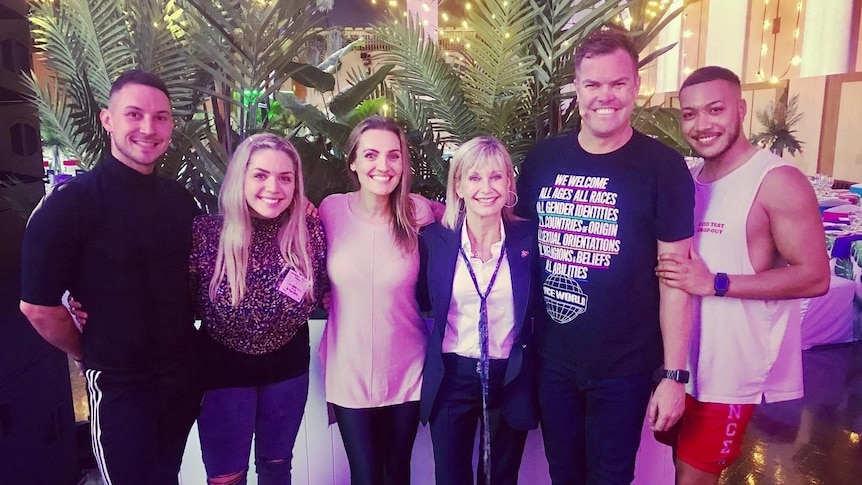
(478, 369)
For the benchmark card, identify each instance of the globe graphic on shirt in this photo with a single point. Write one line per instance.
(564, 299)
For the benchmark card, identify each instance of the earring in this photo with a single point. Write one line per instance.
(511, 193)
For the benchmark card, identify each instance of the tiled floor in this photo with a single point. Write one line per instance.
(813, 441)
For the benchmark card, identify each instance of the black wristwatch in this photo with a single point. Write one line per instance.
(721, 284)
(677, 375)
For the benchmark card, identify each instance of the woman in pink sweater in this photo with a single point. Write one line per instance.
(375, 339)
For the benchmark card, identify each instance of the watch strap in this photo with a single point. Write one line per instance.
(678, 375)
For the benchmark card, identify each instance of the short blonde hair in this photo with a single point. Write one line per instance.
(479, 151)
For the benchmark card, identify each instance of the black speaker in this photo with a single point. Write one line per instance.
(37, 423)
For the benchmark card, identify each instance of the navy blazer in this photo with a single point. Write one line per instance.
(438, 248)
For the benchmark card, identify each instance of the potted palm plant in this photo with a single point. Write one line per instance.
(778, 120)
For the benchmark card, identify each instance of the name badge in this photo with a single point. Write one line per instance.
(293, 285)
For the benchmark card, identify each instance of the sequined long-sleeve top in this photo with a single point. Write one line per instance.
(265, 338)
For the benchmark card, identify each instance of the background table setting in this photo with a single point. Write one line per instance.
(834, 317)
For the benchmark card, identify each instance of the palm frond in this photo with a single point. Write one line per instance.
(778, 119)
(496, 80)
(662, 123)
(55, 115)
(248, 50)
(423, 72)
(556, 36)
(101, 28)
(162, 49)
(428, 144)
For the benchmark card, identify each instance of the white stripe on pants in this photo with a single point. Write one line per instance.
(94, 395)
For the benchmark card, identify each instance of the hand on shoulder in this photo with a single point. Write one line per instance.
(426, 211)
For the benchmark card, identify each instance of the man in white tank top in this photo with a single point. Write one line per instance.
(758, 245)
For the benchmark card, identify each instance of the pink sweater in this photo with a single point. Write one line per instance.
(374, 343)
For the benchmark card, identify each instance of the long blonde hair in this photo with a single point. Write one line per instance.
(404, 226)
(479, 151)
(235, 240)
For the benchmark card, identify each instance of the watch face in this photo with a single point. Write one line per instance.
(721, 284)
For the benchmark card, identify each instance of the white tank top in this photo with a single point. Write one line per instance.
(742, 351)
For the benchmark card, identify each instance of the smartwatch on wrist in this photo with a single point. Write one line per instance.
(677, 375)
(721, 284)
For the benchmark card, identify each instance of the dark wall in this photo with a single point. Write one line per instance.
(37, 428)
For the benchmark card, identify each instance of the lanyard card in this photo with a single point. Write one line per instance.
(293, 285)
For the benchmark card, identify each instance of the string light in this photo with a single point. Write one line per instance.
(773, 27)
(692, 35)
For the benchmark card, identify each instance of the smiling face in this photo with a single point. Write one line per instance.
(607, 85)
(378, 162)
(138, 118)
(711, 115)
(269, 184)
(484, 188)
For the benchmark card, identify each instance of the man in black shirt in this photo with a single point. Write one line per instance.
(118, 238)
(608, 201)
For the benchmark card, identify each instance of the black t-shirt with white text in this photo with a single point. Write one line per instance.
(599, 220)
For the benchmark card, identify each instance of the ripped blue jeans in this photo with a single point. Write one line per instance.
(271, 413)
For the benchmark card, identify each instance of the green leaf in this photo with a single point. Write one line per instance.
(347, 100)
(312, 77)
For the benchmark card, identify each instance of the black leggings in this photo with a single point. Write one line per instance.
(379, 442)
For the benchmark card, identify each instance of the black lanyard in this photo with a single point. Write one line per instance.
(483, 366)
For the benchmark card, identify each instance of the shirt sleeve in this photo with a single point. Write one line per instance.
(196, 254)
(318, 247)
(52, 245)
(675, 204)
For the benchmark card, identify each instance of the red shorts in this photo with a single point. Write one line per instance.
(709, 435)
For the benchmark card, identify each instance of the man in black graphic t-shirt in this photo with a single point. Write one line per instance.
(607, 200)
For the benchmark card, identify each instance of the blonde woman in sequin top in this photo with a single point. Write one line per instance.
(258, 271)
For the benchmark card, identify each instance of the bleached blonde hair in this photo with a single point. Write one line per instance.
(236, 233)
(479, 151)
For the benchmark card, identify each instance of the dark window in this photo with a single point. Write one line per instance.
(14, 56)
(25, 139)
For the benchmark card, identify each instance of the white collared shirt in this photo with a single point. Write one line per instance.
(462, 327)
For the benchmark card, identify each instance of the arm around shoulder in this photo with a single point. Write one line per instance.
(55, 325)
(426, 211)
